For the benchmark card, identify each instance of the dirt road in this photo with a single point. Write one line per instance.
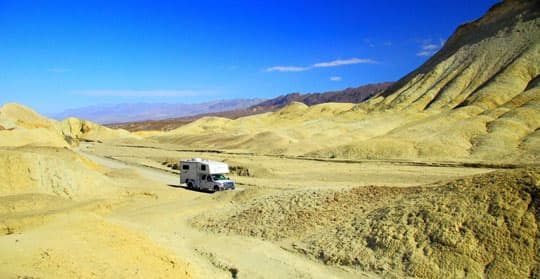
(166, 220)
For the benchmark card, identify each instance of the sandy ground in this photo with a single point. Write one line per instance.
(280, 172)
(168, 220)
(150, 215)
(168, 223)
(300, 218)
(143, 232)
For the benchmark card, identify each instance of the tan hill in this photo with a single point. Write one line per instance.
(36, 157)
(54, 171)
(89, 131)
(476, 99)
(22, 126)
(12, 115)
(286, 131)
(53, 203)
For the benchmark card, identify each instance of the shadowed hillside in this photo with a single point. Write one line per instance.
(349, 95)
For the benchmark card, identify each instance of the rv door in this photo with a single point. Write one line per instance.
(203, 183)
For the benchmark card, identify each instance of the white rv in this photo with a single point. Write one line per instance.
(205, 175)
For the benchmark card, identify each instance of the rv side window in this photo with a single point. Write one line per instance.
(203, 167)
(185, 167)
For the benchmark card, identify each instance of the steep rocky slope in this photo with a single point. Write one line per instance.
(480, 91)
(485, 63)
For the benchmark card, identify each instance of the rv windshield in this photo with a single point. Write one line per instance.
(218, 177)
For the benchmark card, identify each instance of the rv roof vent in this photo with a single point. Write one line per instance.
(197, 159)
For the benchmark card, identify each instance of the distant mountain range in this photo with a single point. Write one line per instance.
(349, 95)
(106, 114)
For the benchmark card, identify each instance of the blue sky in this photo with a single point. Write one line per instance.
(56, 55)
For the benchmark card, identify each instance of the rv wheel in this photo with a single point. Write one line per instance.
(216, 188)
(189, 184)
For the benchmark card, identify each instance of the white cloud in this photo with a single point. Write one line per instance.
(344, 62)
(335, 78)
(141, 93)
(427, 48)
(58, 70)
(425, 53)
(430, 47)
(287, 69)
(334, 63)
